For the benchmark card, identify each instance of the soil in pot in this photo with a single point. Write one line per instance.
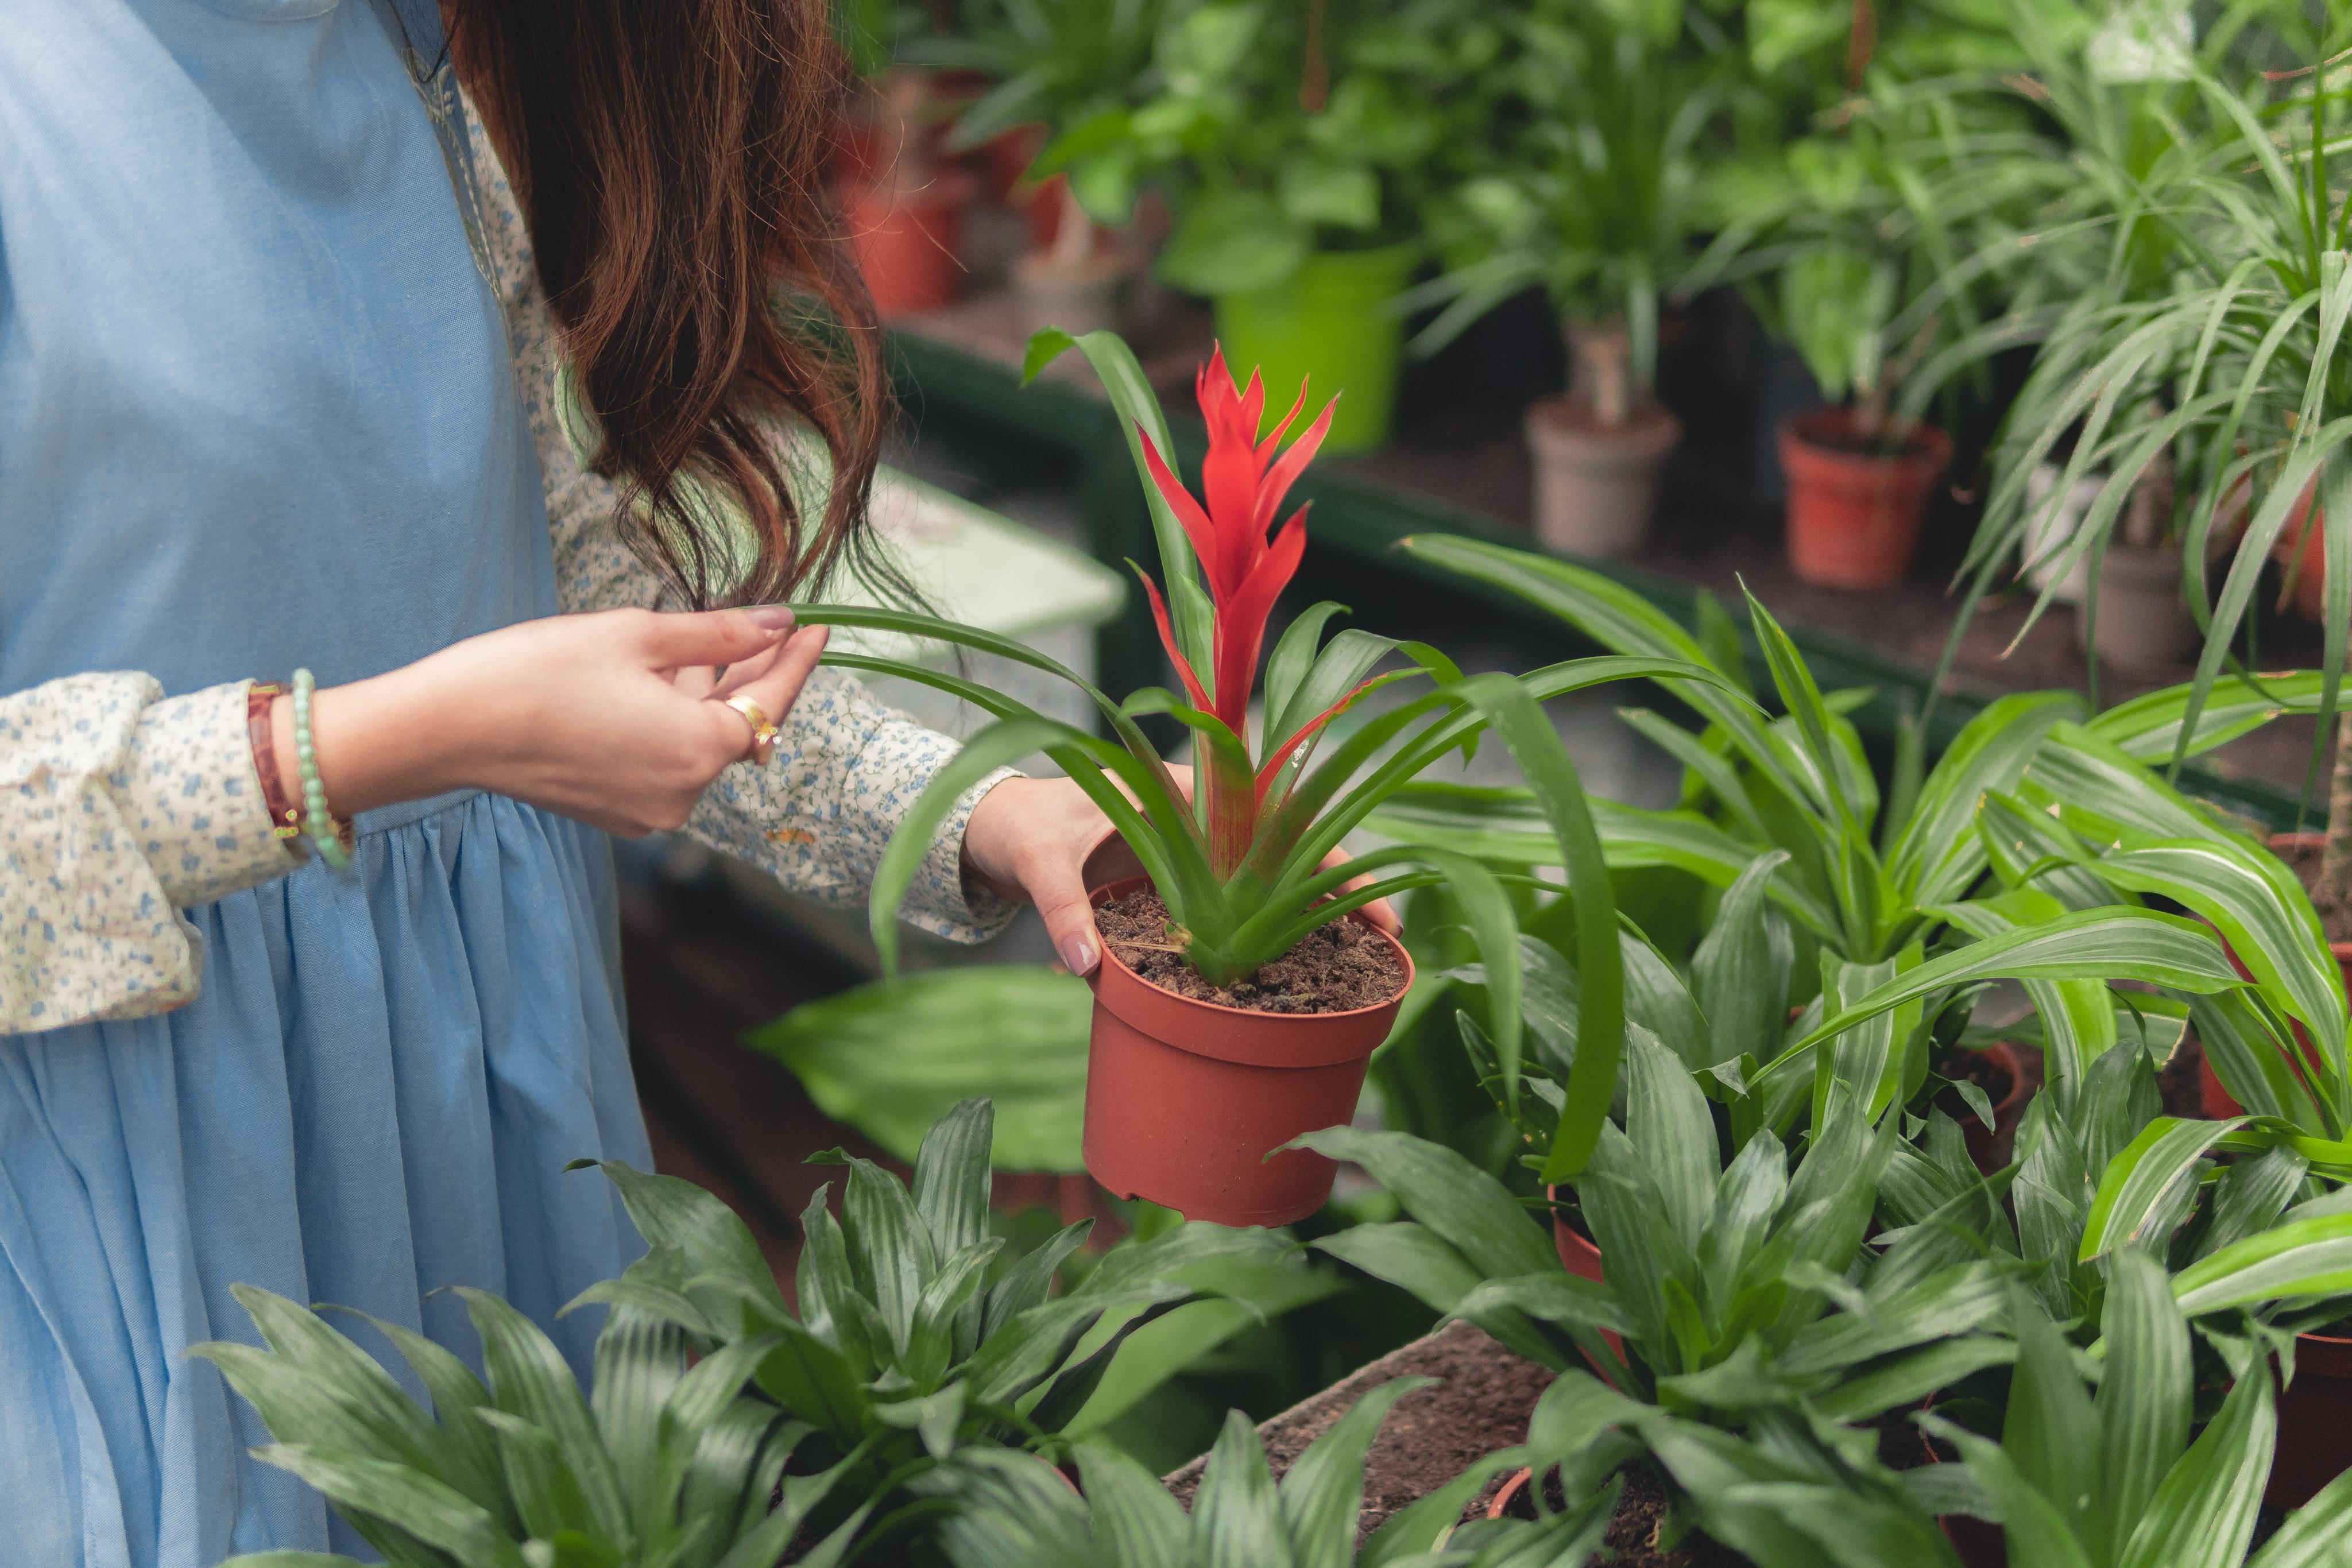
(1597, 484)
(1191, 1087)
(1855, 509)
(1341, 966)
(2142, 626)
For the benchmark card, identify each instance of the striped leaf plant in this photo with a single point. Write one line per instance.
(1011, 1515)
(1240, 856)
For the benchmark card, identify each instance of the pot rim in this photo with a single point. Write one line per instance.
(1651, 418)
(1928, 443)
(1098, 896)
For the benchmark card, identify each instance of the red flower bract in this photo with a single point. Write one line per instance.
(1244, 483)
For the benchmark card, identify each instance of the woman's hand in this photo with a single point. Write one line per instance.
(1031, 839)
(618, 719)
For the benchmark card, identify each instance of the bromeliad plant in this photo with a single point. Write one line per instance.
(1240, 860)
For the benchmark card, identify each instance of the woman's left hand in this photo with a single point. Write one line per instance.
(1030, 838)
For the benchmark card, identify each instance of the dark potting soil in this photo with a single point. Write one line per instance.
(1854, 444)
(2335, 917)
(1341, 967)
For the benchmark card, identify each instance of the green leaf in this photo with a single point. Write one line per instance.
(433, 1513)
(2144, 1192)
(529, 1378)
(891, 1252)
(1324, 1490)
(546, 1493)
(2313, 1535)
(1669, 1124)
(951, 1181)
(2202, 1515)
(2145, 1400)
(809, 1379)
(1234, 241)
(891, 1058)
(1237, 1517)
(713, 1237)
(2299, 1259)
(1447, 1193)
(1137, 1524)
(1409, 1256)
(1740, 971)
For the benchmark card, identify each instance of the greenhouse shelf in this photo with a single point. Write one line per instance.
(959, 372)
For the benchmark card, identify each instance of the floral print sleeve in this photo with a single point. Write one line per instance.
(119, 808)
(846, 767)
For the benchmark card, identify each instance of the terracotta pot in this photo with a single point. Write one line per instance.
(2302, 539)
(2314, 1421)
(2216, 1102)
(1079, 297)
(907, 240)
(1512, 1488)
(1596, 484)
(1185, 1098)
(1984, 1141)
(1579, 1257)
(2142, 624)
(1854, 518)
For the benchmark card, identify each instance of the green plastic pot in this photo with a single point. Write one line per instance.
(1327, 322)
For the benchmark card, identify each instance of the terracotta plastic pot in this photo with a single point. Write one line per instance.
(2314, 1421)
(1596, 484)
(1984, 1142)
(1853, 516)
(907, 240)
(1579, 1257)
(1185, 1099)
(2142, 624)
(1085, 296)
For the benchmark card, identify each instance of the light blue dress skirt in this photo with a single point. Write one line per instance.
(256, 412)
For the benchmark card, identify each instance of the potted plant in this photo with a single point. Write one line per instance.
(1298, 143)
(904, 205)
(1595, 201)
(1202, 1060)
(1866, 223)
(1070, 68)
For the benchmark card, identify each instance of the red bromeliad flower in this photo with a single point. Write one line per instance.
(1244, 484)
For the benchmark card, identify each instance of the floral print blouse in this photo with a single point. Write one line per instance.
(120, 807)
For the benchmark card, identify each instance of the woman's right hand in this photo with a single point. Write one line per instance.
(617, 718)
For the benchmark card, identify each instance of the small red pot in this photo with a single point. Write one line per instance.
(2007, 1112)
(1854, 518)
(1580, 1256)
(907, 240)
(1185, 1098)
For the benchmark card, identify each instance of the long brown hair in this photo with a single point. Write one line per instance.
(670, 158)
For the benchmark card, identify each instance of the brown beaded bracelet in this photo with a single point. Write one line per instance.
(285, 816)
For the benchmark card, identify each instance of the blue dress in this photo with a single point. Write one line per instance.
(256, 412)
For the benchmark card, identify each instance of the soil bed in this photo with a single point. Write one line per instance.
(1341, 967)
(1481, 1404)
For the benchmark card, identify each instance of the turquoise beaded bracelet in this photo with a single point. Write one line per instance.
(318, 822)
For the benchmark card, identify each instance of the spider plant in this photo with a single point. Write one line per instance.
(1008, 1515)
(1241, 862)
(2240, 354)
(1924, 889)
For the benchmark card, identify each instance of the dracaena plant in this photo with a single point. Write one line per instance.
(1010, 1515)
(1731, 1286)
(1240, 860)
(906, 1343)
(669, 1462)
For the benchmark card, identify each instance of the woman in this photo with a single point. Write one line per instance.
(259, 410)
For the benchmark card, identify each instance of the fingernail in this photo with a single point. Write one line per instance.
(771, 617)
(1078, 953)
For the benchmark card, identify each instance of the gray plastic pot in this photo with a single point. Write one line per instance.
(1596, 484)
(2142, 625)
(1085, 296)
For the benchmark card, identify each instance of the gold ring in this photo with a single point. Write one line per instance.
(763, 729)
